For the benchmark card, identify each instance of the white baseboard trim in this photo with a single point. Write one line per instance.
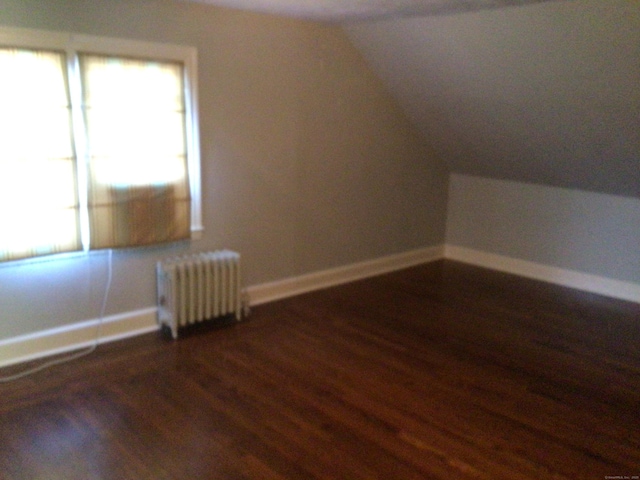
(559, 276)
(67, 338)
(81, 335)
(269, 292)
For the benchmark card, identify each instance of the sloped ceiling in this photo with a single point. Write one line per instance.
(359, 10)
(546, 93)
(536, 91)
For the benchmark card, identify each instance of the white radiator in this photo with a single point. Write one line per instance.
(198, 287)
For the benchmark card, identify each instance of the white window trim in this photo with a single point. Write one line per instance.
(187, 55)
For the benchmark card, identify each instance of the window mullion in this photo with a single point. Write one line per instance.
(80, 142)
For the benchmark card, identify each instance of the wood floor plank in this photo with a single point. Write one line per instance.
(435, 372)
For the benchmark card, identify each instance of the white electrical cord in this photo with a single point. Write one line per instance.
(81, 353)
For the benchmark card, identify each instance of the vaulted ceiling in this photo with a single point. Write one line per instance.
(529, 90)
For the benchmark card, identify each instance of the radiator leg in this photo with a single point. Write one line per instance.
(246, 305)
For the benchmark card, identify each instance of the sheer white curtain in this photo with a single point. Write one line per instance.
(39, 211)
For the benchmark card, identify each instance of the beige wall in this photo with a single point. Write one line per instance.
(307, 162)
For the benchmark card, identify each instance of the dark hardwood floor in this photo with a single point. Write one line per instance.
(442, 371)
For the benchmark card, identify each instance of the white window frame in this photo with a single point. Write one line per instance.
(73, 44)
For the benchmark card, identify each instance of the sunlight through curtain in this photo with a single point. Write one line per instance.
(134, 113)
(39, 212)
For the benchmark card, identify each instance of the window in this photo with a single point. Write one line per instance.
(99, 143)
